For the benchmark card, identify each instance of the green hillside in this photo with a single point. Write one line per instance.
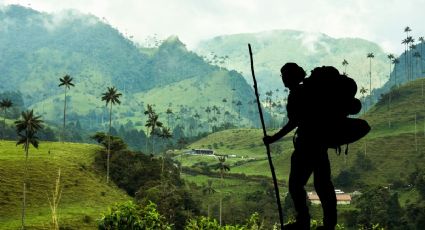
(394, 151)
(84, 192)
(35, 55)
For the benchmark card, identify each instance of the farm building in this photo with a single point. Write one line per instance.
(202, 151)
(340, 198)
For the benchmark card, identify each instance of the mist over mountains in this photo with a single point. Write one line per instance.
(272, 49)
(39, 48)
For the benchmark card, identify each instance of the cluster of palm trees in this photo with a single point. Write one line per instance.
(275, 107)
(214, 59)
(410, 46)
(411, 53)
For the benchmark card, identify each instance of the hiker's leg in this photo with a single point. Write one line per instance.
(325, 189)
(300, 172)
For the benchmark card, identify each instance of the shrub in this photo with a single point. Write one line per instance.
(130, 216)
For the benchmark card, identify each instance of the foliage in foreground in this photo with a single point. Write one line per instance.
(130, 216)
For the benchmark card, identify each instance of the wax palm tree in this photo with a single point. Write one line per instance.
(208, 190)
(215, 110)
(407, 29)
(66, 81)
(239, 105)
(345, 64)
(164, 135)
(153, 123)
(421, 39)
(27, 129)
(224, 108)
(395, 62)
(404, 41)
(111, 97)
(363, 91)
(169, 113)
(208, 111)
(370, 56)
(4, 105)
(417, 55)
(223, 167)
(412, 46)
(390, 57)
(197, 118)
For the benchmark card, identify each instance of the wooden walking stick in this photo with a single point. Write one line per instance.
(276, 188)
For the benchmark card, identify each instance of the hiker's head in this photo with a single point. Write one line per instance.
(292, 74)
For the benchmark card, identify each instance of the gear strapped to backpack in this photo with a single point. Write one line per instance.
(328, 101)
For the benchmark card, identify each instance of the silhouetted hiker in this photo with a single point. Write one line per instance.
(319, 109)
(310, 155)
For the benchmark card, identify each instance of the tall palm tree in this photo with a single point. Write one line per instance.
(363, 91)
(421, 39)
(66, 81)
(208, 190)
(390, 57)
(111, 97)
(208, 111)
(27, 128)
(4, 105)
(165, 135)
(223, 167)
(412, 46)
(370, 56)
(169, 113)
(417, 55)
(224, 108)
(153, 123)
(239, 105)
(345, 64)
(404, 41)
(407, 29)
(395, 62)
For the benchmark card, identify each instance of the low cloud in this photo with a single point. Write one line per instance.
(381, 21)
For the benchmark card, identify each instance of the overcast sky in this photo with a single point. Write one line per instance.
(381, 21)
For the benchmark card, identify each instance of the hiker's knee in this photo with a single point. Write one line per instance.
(323, 185)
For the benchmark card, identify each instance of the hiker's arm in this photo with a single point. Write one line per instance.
(285, 130)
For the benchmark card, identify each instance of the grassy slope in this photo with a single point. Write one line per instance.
(197, 94)
(84, 190)
(392, 150)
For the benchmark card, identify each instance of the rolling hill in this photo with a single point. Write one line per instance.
(85, 194)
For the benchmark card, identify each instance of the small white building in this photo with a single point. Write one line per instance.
(202, 151)
(342, 199)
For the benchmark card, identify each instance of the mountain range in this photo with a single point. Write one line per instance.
(38, 48)
(272, 49)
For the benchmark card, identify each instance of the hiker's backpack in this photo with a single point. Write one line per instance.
(329, 98)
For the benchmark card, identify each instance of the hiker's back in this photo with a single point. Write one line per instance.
(329, 98)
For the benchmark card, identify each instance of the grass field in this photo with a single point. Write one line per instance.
(85, 194)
